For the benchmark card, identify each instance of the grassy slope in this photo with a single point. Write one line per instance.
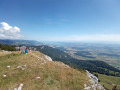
(53, 75)
(109, 81)
(3, 54)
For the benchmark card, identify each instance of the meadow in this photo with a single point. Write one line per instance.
(29, 72)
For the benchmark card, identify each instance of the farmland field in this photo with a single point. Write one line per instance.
(109, 53)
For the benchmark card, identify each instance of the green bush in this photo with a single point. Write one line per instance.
(7, 47)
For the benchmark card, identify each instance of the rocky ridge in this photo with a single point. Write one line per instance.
(94, 84)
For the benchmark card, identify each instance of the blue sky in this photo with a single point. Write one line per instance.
(60, 20)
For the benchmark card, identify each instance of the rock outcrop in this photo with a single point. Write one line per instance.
(94, 84)
(48, 58)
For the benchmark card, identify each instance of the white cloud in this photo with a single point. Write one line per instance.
(9, 32)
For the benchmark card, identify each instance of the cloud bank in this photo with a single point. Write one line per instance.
(9, 32)
(94, 37)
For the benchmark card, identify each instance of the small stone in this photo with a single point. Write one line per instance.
(37, 77)
(87, 88)
(18, 66)
(25, 65)
(15, 88)
(4, 75)
(85, 85)
(23, 68)
(8, 66)
(20, 87)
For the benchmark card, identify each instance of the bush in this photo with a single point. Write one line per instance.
(7, 47)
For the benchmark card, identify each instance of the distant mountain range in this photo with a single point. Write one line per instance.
(20, 42)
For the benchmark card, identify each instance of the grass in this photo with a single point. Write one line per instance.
(53, 75)
(109, 81)
(3, 54)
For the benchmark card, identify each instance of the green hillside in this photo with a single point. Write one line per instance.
(29, 72)
(109, 81)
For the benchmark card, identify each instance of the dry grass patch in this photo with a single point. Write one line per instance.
(27, 69)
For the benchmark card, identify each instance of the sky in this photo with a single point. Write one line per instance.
(60, 20)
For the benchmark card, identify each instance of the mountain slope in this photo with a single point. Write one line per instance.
(54, 53)
(34, 71)
(91, 65)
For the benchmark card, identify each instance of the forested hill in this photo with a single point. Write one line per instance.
(56, 54)
(93, 66)
(7, 47)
